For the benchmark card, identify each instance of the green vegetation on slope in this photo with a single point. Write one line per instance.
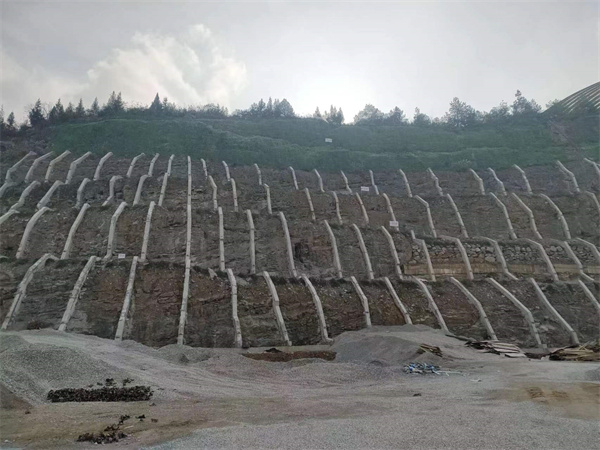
(301, 143)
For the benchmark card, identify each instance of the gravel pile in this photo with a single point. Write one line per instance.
(30, 371)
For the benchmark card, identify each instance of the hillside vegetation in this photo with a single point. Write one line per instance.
(301, 143)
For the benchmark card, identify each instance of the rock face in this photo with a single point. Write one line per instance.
(38, 298)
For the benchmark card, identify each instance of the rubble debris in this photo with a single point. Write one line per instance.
(425, 368)
(589, 351)
(110, 434)
(103, 394)
(280, 356)
(497, 347)
(429, 348)
(421, 368)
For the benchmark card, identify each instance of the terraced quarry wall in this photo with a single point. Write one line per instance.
(164, 249)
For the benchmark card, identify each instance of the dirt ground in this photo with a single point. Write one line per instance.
(217, 398)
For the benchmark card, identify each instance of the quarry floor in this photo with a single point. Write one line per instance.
(207, 398)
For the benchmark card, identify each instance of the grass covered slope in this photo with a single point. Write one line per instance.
(301, 143)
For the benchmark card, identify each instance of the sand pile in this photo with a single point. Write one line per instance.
(396, 346)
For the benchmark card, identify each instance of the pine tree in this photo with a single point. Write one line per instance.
(36, 115)
(156, 107)
(284, 109)
(11, 126)
(120, 104)
(80, 110)
(94, 109)
(69, 112)
(317, 114)
(269, 108)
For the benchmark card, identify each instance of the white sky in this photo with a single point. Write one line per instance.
(407, 54)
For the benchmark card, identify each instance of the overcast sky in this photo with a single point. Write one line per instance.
(409, 54)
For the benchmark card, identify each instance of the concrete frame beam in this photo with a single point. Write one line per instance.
(188, 260)
(163, 189)
(213, 185)
(80, 191)
(221, 240)
(76, 292)
(425, 250)
(459, 219)
(132, 164)
(237, 341)
(436, 182)
(570, 176)
(46, 198)
(524, 310)
(138, 192)
(66, 253)
(55, 161)
(151, 167)
(590, 296)
(36, 163)
(7, 215)
(463, 254)
(73, 167)
(432, 305)
(525, 179)
(126, 301)
(319, 307)
(334, 248)
(429, 216)
(268, 194)
(561, 217)
(112, 232)
(319, 180)
(498, 181)
(277, 310)
(288, 244)
(25, 194)
(545, 257)
(364, 301)
(393, 252)
(310, 205)
(499, 256)
(28, 228)
(258, 174)
(15, 166)
(375, 188)
(479, 181)
(346, 185)
(544, 301)
(529, 213)
(22, 289)
(147, 227)
(406, 183)
(111, 189)
(294, 180)
(227, 174)
(397, 301)
(234, 194)
(337, 207)
(100, 165)
(364, 251)
(509, 225)
(252, 242)
(362, 208)
(388, 205)
(475, 302)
